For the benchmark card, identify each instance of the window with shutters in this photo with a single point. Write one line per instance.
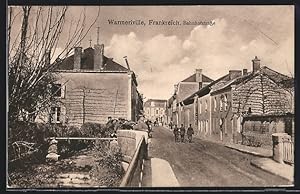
(221, 102)
(215, 104)
(200, 107)
(225, 102)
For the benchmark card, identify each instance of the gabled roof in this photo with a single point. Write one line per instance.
(192, 78)
(279, 78)
(203, 91)
(185, 89)
(87, 62)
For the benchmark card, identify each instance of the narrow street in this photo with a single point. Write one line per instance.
(206, 164)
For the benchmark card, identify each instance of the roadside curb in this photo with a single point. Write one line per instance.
(248, 151)
(159, 167)
(255, 163)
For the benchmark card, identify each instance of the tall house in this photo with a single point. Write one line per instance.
(92, 87)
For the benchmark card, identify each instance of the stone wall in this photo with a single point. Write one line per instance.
(128, 141)
(93, 97)
(261, 128)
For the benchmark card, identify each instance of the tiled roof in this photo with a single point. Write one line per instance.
(192, 78)
(87, 62)
(205, 90)
(186, 89)
(278, 78)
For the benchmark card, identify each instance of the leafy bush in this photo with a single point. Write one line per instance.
(108, 168)
(95, 130)
(255, 139)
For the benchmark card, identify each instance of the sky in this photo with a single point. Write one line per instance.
(162, 55)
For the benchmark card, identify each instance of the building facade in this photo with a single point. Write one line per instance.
(155, 110)
(91, 87)
(219, 108)
(177, 111)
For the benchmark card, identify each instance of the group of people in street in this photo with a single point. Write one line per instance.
(179, 133)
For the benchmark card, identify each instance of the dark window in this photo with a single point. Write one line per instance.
(249, 110)
(56, 90)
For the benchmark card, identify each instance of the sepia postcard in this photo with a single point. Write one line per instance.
(106, 97)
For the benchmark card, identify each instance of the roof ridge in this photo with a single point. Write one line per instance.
(266, 67)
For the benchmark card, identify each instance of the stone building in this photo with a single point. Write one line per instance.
(92, 87)
(155, 110)
(229, 99)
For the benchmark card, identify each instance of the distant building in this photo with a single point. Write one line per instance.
(177, 112)
(92, 87)
(155, 110)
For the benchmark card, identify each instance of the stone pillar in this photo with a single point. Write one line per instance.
(114, 146)
(52, 151)
(277, 139)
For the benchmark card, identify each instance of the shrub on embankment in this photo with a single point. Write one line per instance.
(28, 145)
(29, 142)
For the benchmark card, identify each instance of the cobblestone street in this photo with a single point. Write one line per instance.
(202, 163)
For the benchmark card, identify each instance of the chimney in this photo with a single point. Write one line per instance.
(245, 71)
(255, 64)
(77, 58)
(98, 56)
(126, 61)
(234, 74)
(198, 75)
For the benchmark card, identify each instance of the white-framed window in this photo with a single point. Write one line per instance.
(55, 115)
(206, 105)
(225, 102)
(200, 107)
(221, 102)
(201, 126)
(215, 103)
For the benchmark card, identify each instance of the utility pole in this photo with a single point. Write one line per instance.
(98, 30)
(90, 41)
(83, 105)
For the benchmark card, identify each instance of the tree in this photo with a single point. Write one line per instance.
(30, 75)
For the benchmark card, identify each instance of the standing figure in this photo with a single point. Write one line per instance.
(182, 132)
(171, 125)
(148, 122)
(221, 129)
(176, 133)
(190, 132)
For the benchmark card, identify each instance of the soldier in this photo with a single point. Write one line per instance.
(221, 128)
(176, 133)
(182, 132)
(190, 132)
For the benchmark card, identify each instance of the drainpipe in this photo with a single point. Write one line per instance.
(210, 115)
